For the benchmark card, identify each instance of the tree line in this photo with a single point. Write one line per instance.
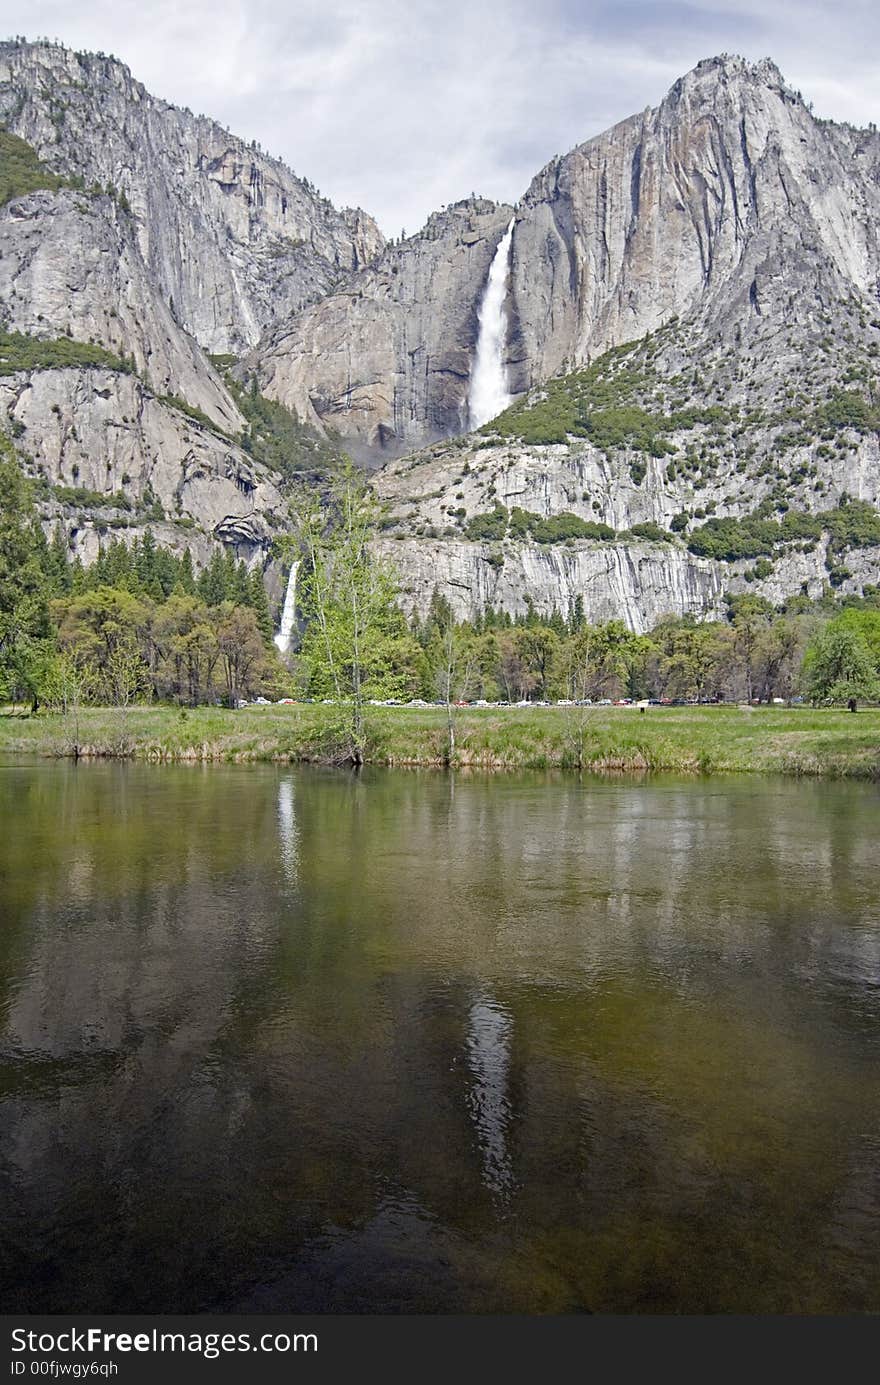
(140, 624)
(136, 624)
(357, 646)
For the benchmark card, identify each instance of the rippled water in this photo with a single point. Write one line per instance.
(292, 1040)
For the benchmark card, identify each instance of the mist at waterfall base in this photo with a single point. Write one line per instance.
(284, 638)
(488, 395)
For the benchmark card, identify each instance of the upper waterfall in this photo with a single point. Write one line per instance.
(488, 394)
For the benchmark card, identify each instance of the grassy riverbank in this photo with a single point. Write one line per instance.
(684, 739)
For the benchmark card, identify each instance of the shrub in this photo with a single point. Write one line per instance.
(489, 525)
(649, 530)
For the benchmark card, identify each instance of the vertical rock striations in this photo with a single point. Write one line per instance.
(717, 203)
(385, 361)
(232, 238)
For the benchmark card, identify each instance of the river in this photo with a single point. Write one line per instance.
(280, 1040)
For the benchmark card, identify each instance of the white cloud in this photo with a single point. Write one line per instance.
(403, 105)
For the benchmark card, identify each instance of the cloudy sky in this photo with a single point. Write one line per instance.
(400, 106)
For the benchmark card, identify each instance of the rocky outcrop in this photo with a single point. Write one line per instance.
(232, 239)
(385, 361)
(450, 483)
(638, 583)
(85, 433)
(729, 207)
(728, 235)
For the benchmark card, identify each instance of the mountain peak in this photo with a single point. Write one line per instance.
(727, 70)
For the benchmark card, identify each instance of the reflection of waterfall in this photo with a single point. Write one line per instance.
(284, 638)
(488, 395)
(488, 1047)
(287, 833)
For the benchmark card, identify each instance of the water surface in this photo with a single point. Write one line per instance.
(278, 1040)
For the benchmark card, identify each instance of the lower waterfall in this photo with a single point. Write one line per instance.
(284, 638)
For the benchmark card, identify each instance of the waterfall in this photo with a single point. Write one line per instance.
(284, 638)
(488, 395)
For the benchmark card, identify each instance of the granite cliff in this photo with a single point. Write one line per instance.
(230, 237)
(692, 335)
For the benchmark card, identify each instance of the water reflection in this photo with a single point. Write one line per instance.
(287, 834)
(488, 1048)
(274, 1039)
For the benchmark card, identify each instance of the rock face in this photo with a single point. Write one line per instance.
(637, 582)
(385, 361)
(723, 202)
(728, 205)
(430, 489)
(97, 431)
(70, 266)
(174, 239)
(633, 581)
(732, 240)
(231, 238)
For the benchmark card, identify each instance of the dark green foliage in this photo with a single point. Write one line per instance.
(853, 524)
(255, 597)
(638, 472)
(649, 530)
(24, 555)
(81, 496)
(763, 568)
(279, 440)
(146, 568)
(523, 524)
(20, 352)
(560, 528)
(607, 404)
(217, 581)
(848, 409)
(86, 499)
(730, 539)
(175, 402)
(22, 171)
(489, 525)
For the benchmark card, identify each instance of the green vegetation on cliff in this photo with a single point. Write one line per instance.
(605, 403)
(23, 171)
(21, 352)
(524, 524)
(852, 524)
(274, 436)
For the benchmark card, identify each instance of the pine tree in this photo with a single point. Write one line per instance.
(145, 563)
(24, 589)
(240, 588)
(185, 576)
(212, 580)
(58, 572)
(259, 604)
